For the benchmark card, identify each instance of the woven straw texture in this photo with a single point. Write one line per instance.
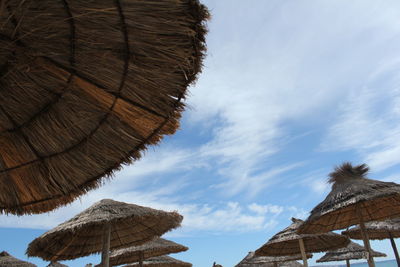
(85, 86)
(6, 260)
(253, 261)
(286, 242)
(161, 261)
(154, 248)
(83, 234)
(352, 252)
(377, 230)
(352, 191)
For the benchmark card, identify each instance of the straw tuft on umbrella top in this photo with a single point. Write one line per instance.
(161, 261)
(352, 191)
(6, 260)
(253, 261)
(86, 86)
(352, 252)
(154, 248)
(83, 234)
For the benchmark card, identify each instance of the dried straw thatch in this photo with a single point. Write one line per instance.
(6, 260)
(86, 85)
(83, 234)
(351, 193)
(253, 261)
(286, 242)
(162, 261)
(154, 248)
(56, 264)
(377, 230)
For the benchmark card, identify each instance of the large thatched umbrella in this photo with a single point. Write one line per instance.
(106, 225)
(253, 261)
(354, 199)
(6, 260)
(86, 85)
(161, 261)
(352, 252)
(154, 248)
(379, 230)
(289, 242)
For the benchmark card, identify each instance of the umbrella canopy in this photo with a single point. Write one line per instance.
(154, 248)
(352, 191)
(86, 85)
(352, 252)
(56, 264)
(83, 234)
(6, 260)
(161, 261)
(377, 230)
(253, 261)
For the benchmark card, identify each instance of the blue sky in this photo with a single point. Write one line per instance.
(289, 90)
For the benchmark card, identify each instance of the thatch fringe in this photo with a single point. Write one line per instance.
(162, 261)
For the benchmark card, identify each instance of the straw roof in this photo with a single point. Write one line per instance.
(6, 260)
(83, 234)
(253, 261)
(352, 252)
(154, 248)
(352, 191)
(161, 261)
(86, 85)
(56, 264)
(377, 230)
(286, 242)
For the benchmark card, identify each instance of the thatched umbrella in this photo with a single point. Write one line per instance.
(379, 230)
(161, 261)
(253, 261)
(56, 264)
(154, 248)
(352, 252)
(86, 85)
(289, 242)
(354, 199)
(6, 260)
(106, 225)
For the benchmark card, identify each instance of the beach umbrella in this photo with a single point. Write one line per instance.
(352, 252)
(104, 226)
(354, 199)
(6, 260)
(289, 242)
(86, 86)
(56, 264)
(253, 261)
(379, 230)
(161, 261)
(154, 248)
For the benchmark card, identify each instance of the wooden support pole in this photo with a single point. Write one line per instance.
(303, 252)
(275, 264)
(105, 255)
(396, 253)
(141, 256)
(348, 263)
(364, 234)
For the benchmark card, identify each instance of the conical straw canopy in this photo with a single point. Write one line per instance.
(286, 242)
(83, 234)
(154, 248)
(253, 261)
(161, 261)
(56, 264)
(352, 252)
(85, 87)
(351, 193)
(377, 230)
(6, 260)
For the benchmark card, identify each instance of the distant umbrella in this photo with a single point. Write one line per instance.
(6, 260)
(354, 199)
(289, 242)
(161, 261)
(154, 248)
(379, 230)
(56, 264)
(281, 261)
(106, 225)
(352, 252)
(86, 86)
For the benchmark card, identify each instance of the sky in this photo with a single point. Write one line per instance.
(289, 90)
